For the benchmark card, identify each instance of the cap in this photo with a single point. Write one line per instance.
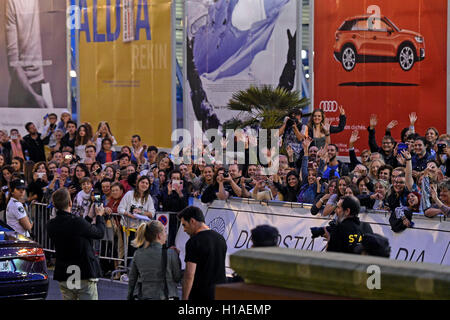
(265, 236)
(17, 184)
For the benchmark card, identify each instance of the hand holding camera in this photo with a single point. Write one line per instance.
(99, 210)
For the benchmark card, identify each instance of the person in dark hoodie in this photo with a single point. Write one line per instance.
(77, 268)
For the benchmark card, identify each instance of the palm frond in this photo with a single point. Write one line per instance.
(266, 104)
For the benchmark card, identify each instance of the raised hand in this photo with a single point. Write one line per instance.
(412, 118)
(327, 125)
(306, 143)
(341, 110)
(354, 137)
(392, 124)
(373, 121)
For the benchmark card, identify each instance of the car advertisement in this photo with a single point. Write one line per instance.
(382, 57)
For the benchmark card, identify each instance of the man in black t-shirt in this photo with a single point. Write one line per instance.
(205, 257)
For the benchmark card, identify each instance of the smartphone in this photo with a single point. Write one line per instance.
(58, 171)
(401, 147)
(97, 172)
(175, 183)
(441, 148)
(40, 175)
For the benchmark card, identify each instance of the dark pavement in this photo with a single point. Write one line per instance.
(107, 289)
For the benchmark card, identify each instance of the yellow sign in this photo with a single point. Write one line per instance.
(127, 83)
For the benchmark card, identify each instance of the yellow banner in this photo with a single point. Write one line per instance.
(127, 83)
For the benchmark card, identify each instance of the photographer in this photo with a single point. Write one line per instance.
(73, 237)
(291, 132)
(216, 190)
(348, 231)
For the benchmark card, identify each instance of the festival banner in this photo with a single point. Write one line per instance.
(381, 57)
(126, 68)
(427, 242)
(33, 61)
(231, 45)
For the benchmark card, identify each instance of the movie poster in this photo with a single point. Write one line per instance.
(33, 61)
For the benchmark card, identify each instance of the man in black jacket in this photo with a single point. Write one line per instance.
(34, 143)
(349, 231)
(77, 269)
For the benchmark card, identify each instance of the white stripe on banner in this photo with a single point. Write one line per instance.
(428, 241)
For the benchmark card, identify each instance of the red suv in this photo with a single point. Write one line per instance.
(377, 39)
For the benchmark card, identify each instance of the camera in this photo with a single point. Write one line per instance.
(97, 199)
(441, 148)
(132, 208)
(97, 172)
(290, 122)
(53, 126)
(5, 188)
(320, 231)
(248, 180)
(226, 174)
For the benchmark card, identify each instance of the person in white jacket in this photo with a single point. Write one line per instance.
(137, 206)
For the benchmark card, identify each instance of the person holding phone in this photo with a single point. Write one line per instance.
(175, 195)
(60, 180)
(40, 181)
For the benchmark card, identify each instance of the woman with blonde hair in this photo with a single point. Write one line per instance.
(157, 268)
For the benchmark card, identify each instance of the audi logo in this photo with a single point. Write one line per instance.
(328, 106)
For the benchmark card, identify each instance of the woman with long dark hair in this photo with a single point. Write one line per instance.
(40, 181)
(103, 131)
(82, 139)
(291, 190)
(319, 128)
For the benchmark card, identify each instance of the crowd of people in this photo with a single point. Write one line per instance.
(405, 177)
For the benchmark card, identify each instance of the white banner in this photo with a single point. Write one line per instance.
(428, 241)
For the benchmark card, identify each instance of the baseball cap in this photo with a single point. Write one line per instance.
(17, 184)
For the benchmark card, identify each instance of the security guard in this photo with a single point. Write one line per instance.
(349, 230)
(16, 216)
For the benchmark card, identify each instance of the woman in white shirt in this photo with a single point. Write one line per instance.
(137, 206)
(103, 131)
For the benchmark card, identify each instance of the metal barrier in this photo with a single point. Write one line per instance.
(112, 249)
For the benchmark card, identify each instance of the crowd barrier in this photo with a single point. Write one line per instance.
(428, 241)
(114, 249)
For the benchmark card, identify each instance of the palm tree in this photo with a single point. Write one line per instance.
(263, 107)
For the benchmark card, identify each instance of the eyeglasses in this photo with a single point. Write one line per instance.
(399, 182)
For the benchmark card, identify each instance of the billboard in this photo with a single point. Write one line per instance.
(231, 45)
(126, 68)
(381, 57)
(33, 61)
